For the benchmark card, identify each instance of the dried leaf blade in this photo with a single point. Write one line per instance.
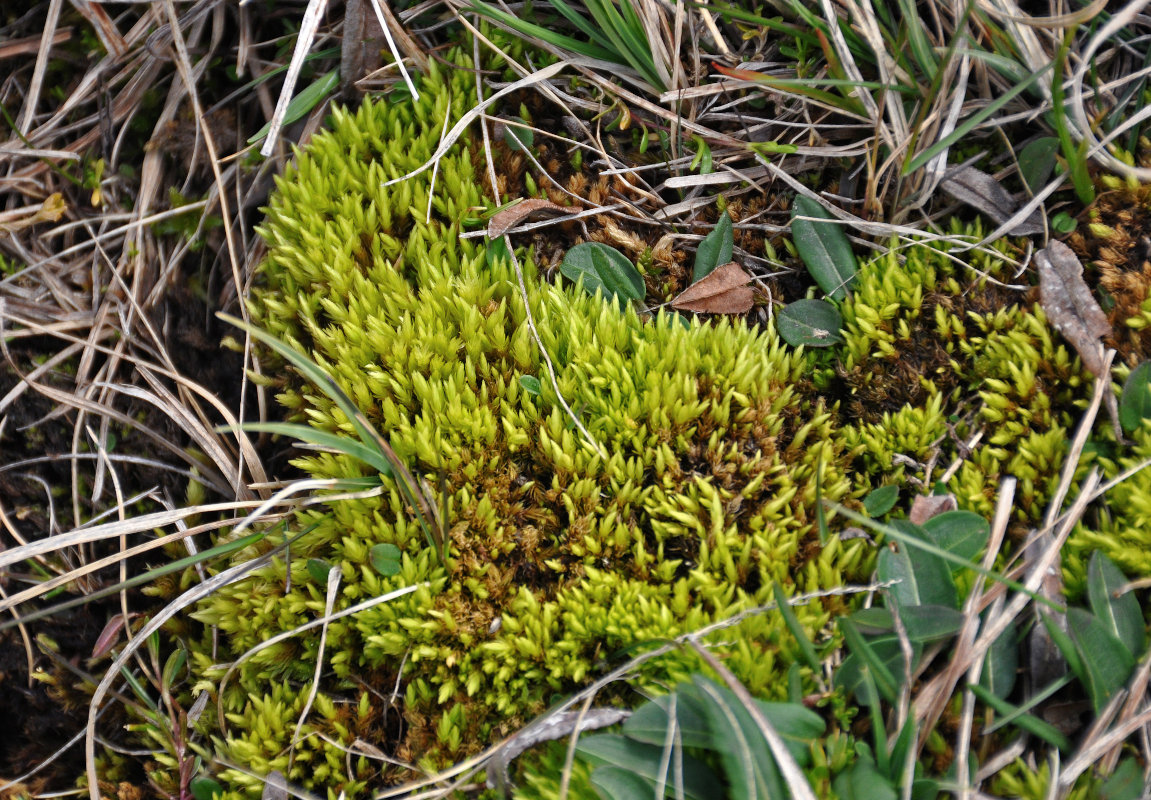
(503, 221)
(982, 192)
(1069, 304)
(723, 291)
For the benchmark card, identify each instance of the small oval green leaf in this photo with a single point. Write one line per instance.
(715, 249)
(318, 570)
(881, 500)
(1106, 661)
(204, 788)
(824, 248)
(811, 323)
(1119, 611)
(603, 268)
(1037, 162)
(961, 533)
(1135, 402)
(518, 138)
(385, 558)
(531, 385)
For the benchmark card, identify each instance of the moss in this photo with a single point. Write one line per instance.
(925, 336)
(560, 560)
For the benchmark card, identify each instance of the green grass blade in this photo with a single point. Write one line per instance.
(306, 433)
(304, 102)
(806, 648)
(969, 124)
(1033, 725)
(558, 40)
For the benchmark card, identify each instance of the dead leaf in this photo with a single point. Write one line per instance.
(927, 506)
(1045, 660)
(503, 221)
(1070, 306)
(724, 290)
(982, 192)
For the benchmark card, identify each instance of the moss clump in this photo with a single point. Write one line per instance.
(563, 556)
(936, 352)
(559, 558)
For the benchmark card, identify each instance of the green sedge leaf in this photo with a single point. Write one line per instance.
(806, 648)
(304, 102)
(1033, 725)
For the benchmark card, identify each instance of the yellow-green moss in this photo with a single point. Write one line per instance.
(559, 559)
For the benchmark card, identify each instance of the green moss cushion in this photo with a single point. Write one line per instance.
(560, 559)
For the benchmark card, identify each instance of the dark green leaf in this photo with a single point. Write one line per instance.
(924, 578)
(1120, 613)
(862, 781)
(1001, 664)
(1036, 162)
(960, 533)
(617, 783)
(1125, 783)
(811, 323)
(649, 722)
(715, 249)
(824, 248)
(386, 559)
(204, 788)
(644, 760)
(318, 570)
(1066, 647)
(930, 623)
(518, 138)
(1135, 402)
(304, 102)
(746, 757)
(873, 621)
(806, 648)
(531, 385)
(880, 656)
(879, 501)
(605, 269)
(1107, 663)
(1064, 223)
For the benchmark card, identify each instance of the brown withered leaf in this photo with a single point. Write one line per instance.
(1069, 304)
(983, 193)
(927, 506)
(503, 221)
(724, 290)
